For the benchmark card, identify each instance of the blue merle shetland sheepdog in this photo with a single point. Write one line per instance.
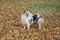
(27, 19)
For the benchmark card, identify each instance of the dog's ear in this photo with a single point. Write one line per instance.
(25, 10)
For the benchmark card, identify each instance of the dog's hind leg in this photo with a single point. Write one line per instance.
(39, 25)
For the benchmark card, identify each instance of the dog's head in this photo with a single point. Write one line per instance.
(26, 12)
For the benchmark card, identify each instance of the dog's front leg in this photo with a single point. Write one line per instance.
(24, 27)
(28, 25)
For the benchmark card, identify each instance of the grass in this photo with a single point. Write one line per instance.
(12, 29)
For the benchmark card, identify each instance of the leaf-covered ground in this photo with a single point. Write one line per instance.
(12, 29)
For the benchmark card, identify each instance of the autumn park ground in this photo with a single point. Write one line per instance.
(12, 29)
